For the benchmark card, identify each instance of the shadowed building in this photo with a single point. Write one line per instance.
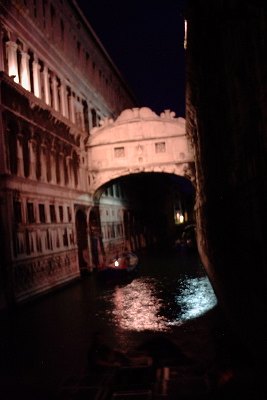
(226, 119)
(69, 127)
(57, 83)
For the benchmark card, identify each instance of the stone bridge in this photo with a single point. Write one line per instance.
(138, 141)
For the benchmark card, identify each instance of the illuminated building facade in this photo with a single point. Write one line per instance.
(57, 83)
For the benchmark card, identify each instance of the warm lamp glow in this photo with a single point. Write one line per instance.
(13, 72)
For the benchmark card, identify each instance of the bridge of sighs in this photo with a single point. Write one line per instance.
(139, 141)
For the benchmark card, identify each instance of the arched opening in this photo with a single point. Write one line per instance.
(97, 251)
(12, 133)
(81, 229)
(144, 210)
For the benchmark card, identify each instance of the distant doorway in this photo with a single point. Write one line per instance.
(81, 229)
(96, 240)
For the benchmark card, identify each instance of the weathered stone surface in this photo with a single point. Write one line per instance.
(227, 121)
(139, 141)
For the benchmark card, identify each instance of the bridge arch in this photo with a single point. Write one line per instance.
(139, 141)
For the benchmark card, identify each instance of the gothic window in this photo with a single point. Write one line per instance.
(27, 240)
(19, 50)
(48, 241)
(48, 165)
(52, 213)
(30, 213)
(42, 213)
(117, 192)
(75, 168)
(94, 117)
(85, 116)
(69, 102)
(42, 80)
(38, 160)
(65, 238)
(12, 148)
(17, 212)
(26, 156)
(65, 167)
(51, 89)
(58, 94)
(31, 71)
(39, 244)
(69, 214)
(4, 53)
(57, 168)
(60, 208)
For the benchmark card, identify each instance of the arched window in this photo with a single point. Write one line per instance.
(75, 168)
(38, 158)
(85, 117)
(11, 132)
(94, 117)
(26, 154)
(5, 39)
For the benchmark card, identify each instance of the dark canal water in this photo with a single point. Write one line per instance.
(43, 342)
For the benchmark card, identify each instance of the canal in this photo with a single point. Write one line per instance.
(47, 340)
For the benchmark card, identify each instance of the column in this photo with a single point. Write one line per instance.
(36, 78)
(25, 71)
(90, 121)
(55, 92)
(20, 171)
(81, 110)
(69, 165)
(32, 151)
(43, 163)
(11, 48)
(2, 52)
(64, 107)
(46, 86)
(53, 165)
(61, 168)
(71, 103)
(83, 123)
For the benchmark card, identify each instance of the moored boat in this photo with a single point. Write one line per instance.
(121, 266)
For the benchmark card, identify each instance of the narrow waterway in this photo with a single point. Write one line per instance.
(47, 340)
(170, 290)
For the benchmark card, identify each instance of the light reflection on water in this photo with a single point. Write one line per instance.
(196, 298)
(136, 307)
(141, 306)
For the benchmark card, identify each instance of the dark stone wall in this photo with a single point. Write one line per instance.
(227, 121)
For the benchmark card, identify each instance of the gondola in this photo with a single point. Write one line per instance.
(121, 267)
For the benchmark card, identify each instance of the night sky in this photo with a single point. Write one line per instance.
(145, 41)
